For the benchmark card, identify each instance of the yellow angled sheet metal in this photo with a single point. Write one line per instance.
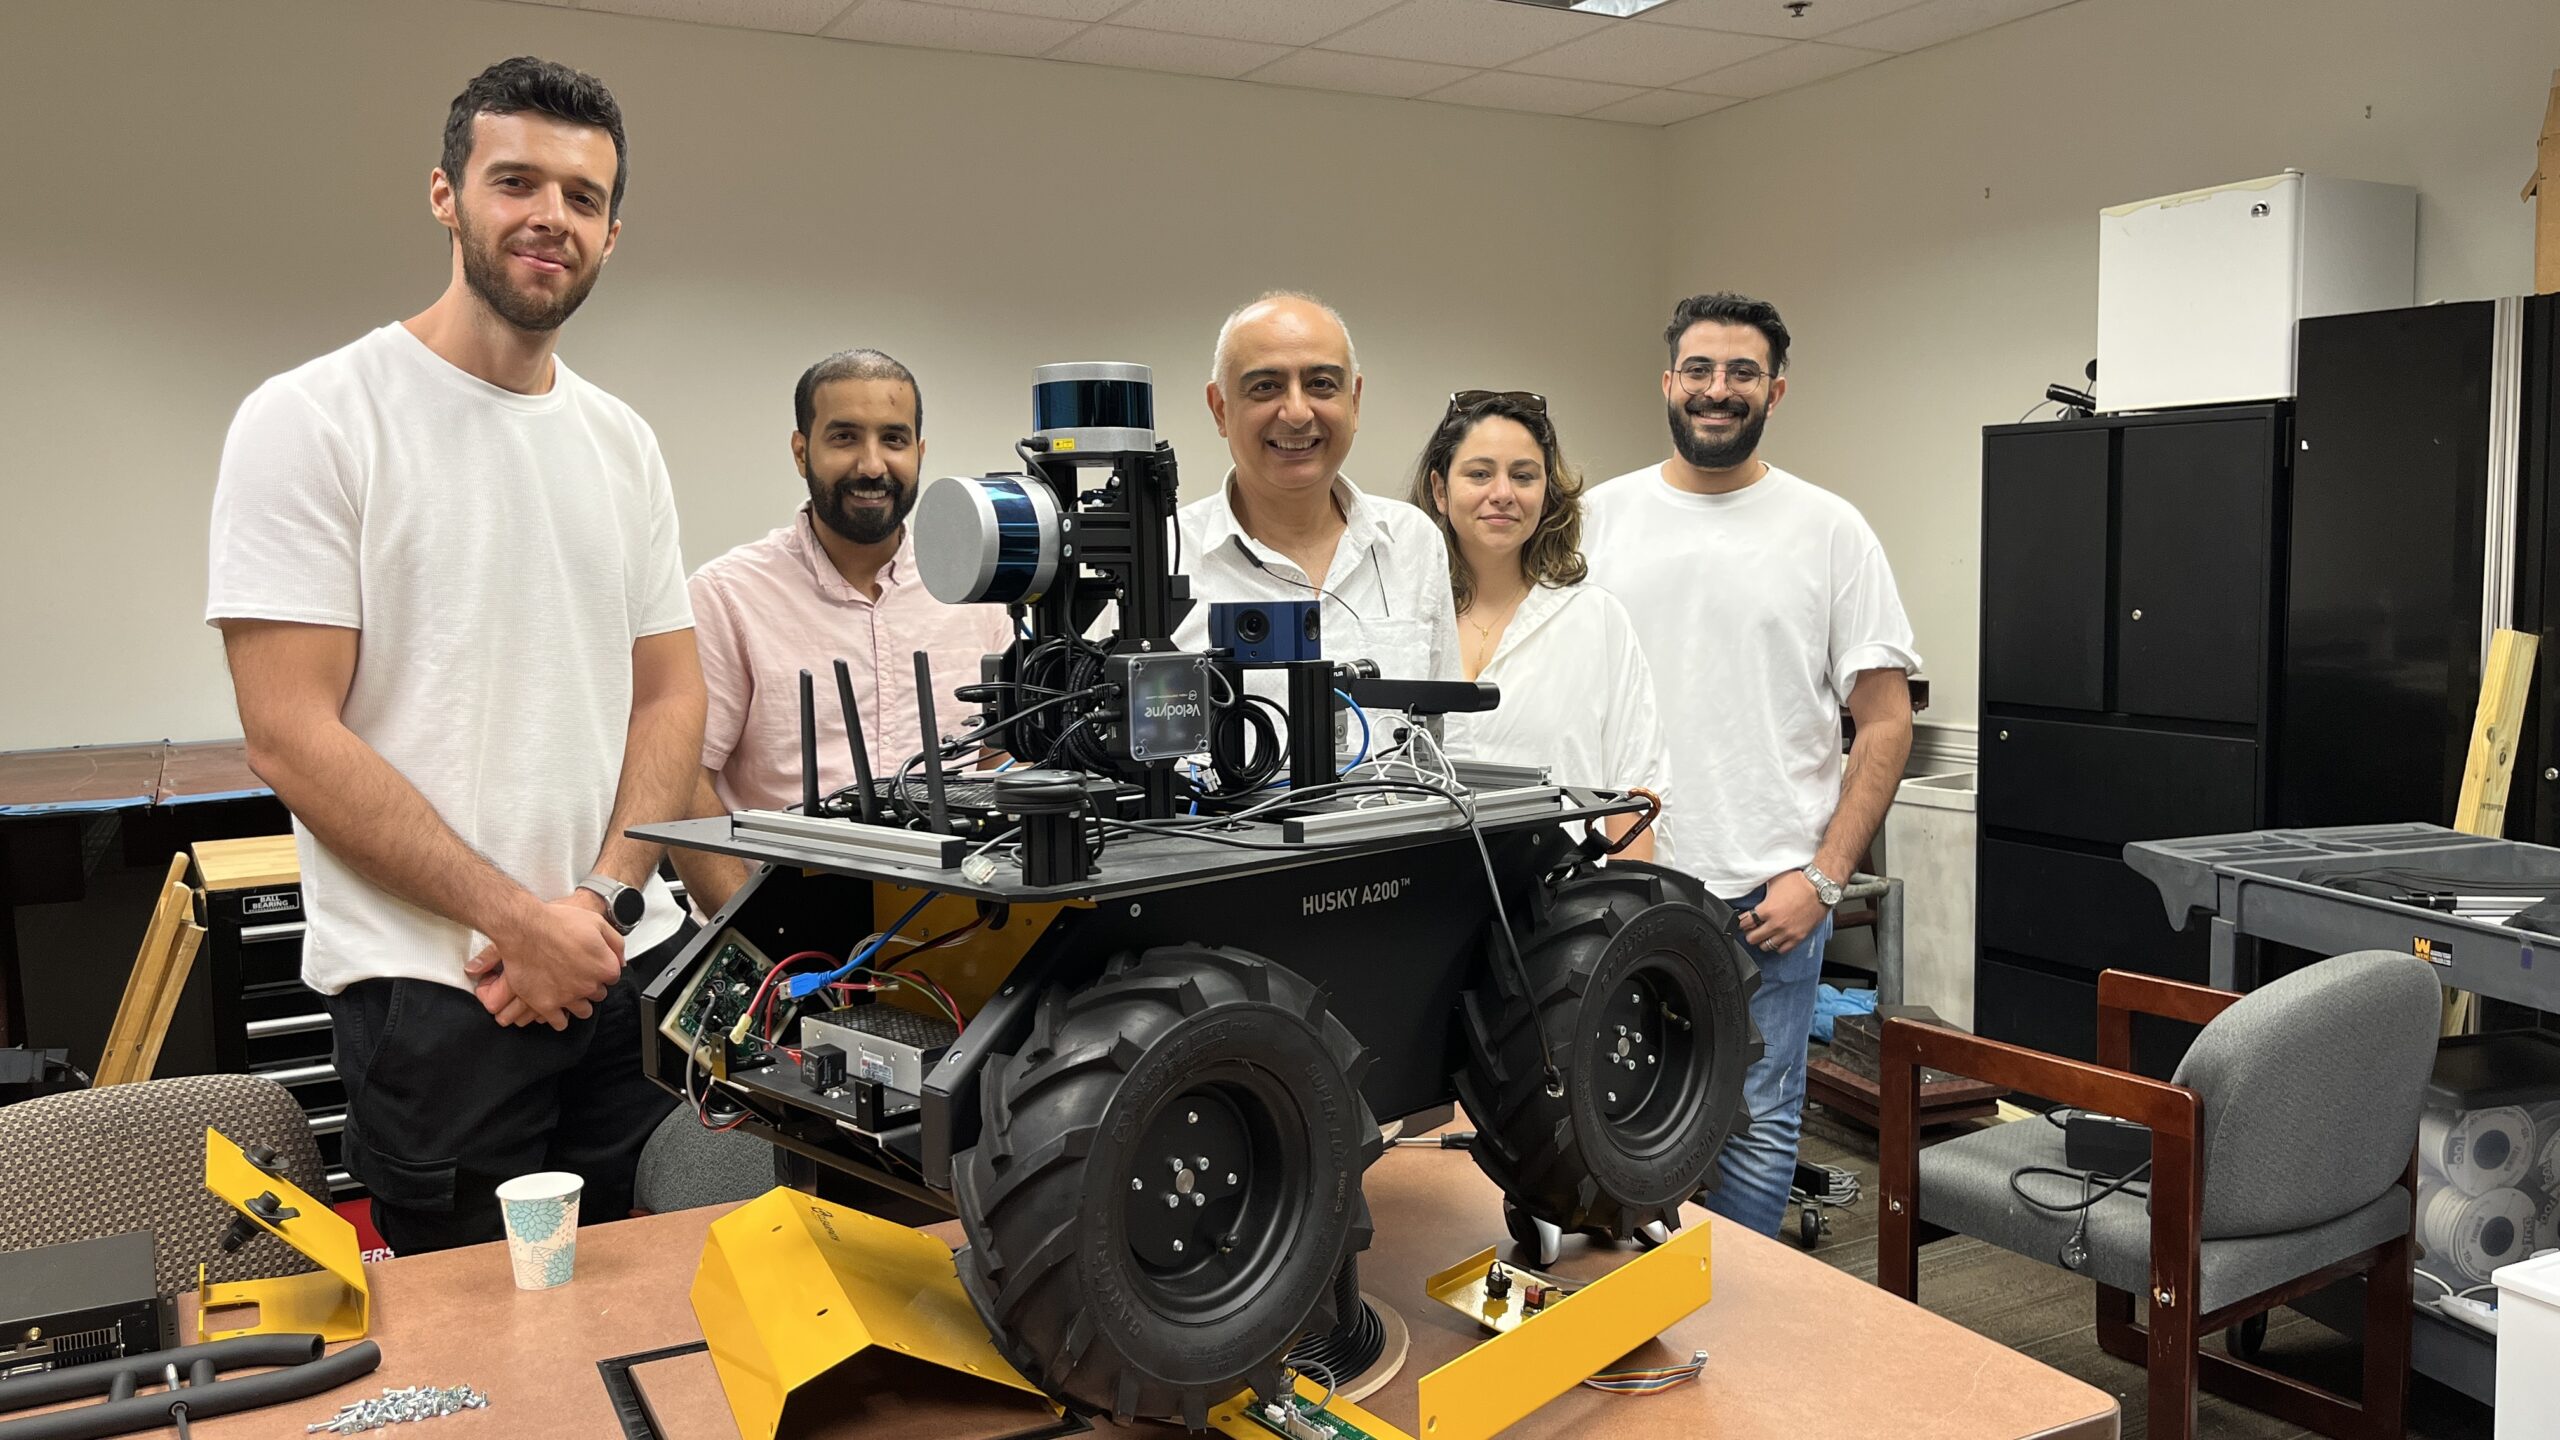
(333, 1302)
(1503, 1380)
(791, 1287)
(1230, 1419)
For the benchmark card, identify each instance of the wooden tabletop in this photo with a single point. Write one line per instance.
(82, 778)
(1796, 1347)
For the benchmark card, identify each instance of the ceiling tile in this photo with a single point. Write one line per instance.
(1935, 21)
(1047, 9)
(800, 17)
(1367, 74)
(1504, 90)
(1465, 32)
(903, 22)
(1771, 17)
(1298, 22)
(1661, 107)
(1634, 53)
(1156, 50)
(1798, 64)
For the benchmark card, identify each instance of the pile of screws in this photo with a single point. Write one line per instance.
(414, 1402)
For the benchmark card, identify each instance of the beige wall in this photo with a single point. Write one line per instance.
(200, 194)
(1928, 225)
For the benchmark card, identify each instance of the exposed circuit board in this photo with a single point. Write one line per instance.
(1298, 1418)
(714, 1000)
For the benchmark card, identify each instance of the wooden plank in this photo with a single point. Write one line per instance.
(2496, 725)
(173, 983)
(249, 864)
(2495, 729)
(117, 1062)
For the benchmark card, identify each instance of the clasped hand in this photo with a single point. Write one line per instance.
(555, 963)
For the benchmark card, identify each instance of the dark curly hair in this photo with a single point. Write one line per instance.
(1553, 555)
(512, 87)
(1726, 308)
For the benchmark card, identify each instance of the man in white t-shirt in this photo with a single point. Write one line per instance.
(446, 575)
(1284, 388)
(1764, 605)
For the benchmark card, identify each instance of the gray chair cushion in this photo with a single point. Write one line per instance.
(684, 1165)
(1964, 1186)
(2311, 1088)
(131, 1157)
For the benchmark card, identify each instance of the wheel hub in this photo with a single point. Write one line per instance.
(1189, 1211)
(1644, 1049)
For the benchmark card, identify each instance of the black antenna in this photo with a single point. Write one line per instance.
(934, 806)
(808, 745)
(853, 736)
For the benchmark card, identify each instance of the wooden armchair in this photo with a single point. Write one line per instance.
(2283, 1160)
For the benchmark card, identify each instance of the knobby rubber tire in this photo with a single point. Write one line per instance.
(1053, 1263)
(1561, 1159)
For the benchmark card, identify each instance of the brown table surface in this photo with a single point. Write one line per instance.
(1797, 1348)
(90, 777)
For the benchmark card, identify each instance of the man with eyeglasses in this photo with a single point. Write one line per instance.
(1764, 604)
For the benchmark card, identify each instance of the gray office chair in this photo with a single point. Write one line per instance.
(131, 1157)
(684, 1165)
(2283, 1158)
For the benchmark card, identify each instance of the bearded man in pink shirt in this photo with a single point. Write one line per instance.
(837, 583)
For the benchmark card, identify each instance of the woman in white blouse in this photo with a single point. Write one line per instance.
(1577, 696)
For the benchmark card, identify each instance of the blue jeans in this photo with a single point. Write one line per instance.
(1758, 1164)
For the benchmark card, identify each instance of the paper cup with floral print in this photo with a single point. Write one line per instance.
(542, 1227)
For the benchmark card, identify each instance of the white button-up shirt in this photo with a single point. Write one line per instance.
(1386, 596)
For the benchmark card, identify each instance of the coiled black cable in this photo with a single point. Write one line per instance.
(1358, 1336)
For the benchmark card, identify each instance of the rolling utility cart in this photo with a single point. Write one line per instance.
(2480, 909)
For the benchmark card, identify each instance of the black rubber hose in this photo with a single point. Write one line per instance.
(300, 1377)
(239, 1352)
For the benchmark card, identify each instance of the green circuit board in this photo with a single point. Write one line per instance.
(709, 1007)
(1305, 1422)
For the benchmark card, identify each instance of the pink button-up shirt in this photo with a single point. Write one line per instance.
(776, 606)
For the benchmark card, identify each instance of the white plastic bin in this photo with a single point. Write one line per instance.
(1929, 847)
(2528, 1344)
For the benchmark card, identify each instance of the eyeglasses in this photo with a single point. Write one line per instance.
(1697, 375)
(1470, 399)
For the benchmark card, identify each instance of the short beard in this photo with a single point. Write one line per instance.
(1711, 455)
(827, 502)
(484, 269)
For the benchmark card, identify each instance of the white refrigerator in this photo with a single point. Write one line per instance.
(2198, 293)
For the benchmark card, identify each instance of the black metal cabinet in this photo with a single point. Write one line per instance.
(2044, 569)
(2388, 554)
(2132, 598)
(2193, 547)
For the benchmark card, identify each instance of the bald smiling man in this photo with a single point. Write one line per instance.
(1286, 525)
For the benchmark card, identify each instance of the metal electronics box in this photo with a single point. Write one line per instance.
(81, 1301)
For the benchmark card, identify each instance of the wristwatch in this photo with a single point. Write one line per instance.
(1825, 889)
(623, 906)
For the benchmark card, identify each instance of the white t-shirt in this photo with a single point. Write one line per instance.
(499, 554)
(1577, 697)
(1758, 610)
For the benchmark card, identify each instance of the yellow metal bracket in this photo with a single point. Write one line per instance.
(1577, 1335)
(333, 1302)
(791, 1287)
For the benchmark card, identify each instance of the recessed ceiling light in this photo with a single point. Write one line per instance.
(1595, 7)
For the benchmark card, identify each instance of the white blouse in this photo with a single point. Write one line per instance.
(1577, 698)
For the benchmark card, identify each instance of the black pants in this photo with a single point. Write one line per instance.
(443, 1103)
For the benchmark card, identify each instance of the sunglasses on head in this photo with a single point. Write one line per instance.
(1469, 399)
